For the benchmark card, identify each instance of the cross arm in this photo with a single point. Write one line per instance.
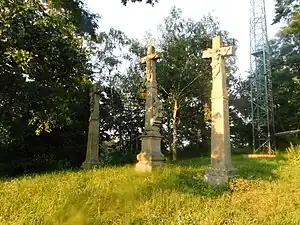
(143, 60)
(228, 51)
(207, 53)
(153, 56)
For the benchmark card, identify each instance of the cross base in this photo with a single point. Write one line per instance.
(89, 164)
(148, 166)
(150, 157)
(219, 176)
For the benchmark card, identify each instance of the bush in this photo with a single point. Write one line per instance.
(111, 155)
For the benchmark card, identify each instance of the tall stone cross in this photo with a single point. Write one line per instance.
(150, 155)
(221, 170)
(92, 151)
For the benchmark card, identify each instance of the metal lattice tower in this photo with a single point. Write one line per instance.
(260, 80)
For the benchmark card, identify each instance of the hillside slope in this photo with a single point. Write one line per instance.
(266, 192)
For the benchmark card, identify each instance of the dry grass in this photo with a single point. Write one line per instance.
(266, 192)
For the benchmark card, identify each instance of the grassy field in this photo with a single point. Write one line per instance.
(267, 191)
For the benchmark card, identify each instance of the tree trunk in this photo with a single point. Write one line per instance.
(174, 125)
(169, 134)
(130, 141)
(121, 139)
(137, 140)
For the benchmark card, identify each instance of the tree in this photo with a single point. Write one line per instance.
(133, 90)
(286, 70)
(286, 76)
(40, 46)
(44, 72)
(240, 113)
(284, 9)
(84, 21)
(184, 78)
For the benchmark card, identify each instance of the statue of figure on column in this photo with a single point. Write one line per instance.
(221, 170)
(158, 112)
(150, 155)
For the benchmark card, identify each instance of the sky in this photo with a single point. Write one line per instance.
(136, 19)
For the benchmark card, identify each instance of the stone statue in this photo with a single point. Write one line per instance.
(218, 57)
(150, 61)
(92, 151)
(150, 155)
(157, 112)
(221, 170)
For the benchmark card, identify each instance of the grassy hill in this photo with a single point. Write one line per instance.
(266, 192)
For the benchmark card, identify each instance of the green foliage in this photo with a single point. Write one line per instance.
(286, 75)
(45, 79)
(44, 86)
(42, 47)
(284, 9)
(174, 195)
(83, 20)
(111, 155)
(286, 71)
(45, 73)
(184, 79)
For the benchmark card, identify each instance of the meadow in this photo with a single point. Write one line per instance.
(266, 191)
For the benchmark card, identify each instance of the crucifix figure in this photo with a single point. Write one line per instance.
(92, 151)
(150, 61)
(150, 155)
(221, 170)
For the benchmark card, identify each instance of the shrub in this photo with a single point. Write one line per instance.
(111, 155)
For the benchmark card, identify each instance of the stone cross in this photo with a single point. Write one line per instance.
(221, 170)
(150, 155)
(92, 151)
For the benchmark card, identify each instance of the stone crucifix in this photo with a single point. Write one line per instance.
(221, 170)
(92, 151)
(150, 155)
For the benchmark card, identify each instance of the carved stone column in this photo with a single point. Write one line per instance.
(92, 151)
(221, 170)
(150, 155)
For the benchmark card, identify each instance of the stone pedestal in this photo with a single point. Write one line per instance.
(92, 150)
(218, 176)
(221, 170)
(92, 163)
(150, 156)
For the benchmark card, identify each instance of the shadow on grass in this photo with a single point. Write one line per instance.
(6, 178)
(257, 169)
(10, 174)
(191, 182)
(187, 175)
(247, 168)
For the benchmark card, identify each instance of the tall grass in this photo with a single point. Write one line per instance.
(266, 192)
(293, 152)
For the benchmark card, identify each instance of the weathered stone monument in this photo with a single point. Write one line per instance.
(150, 155)
(221, 170)
(92, 151)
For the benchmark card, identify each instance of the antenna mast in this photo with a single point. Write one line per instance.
(262, 109)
